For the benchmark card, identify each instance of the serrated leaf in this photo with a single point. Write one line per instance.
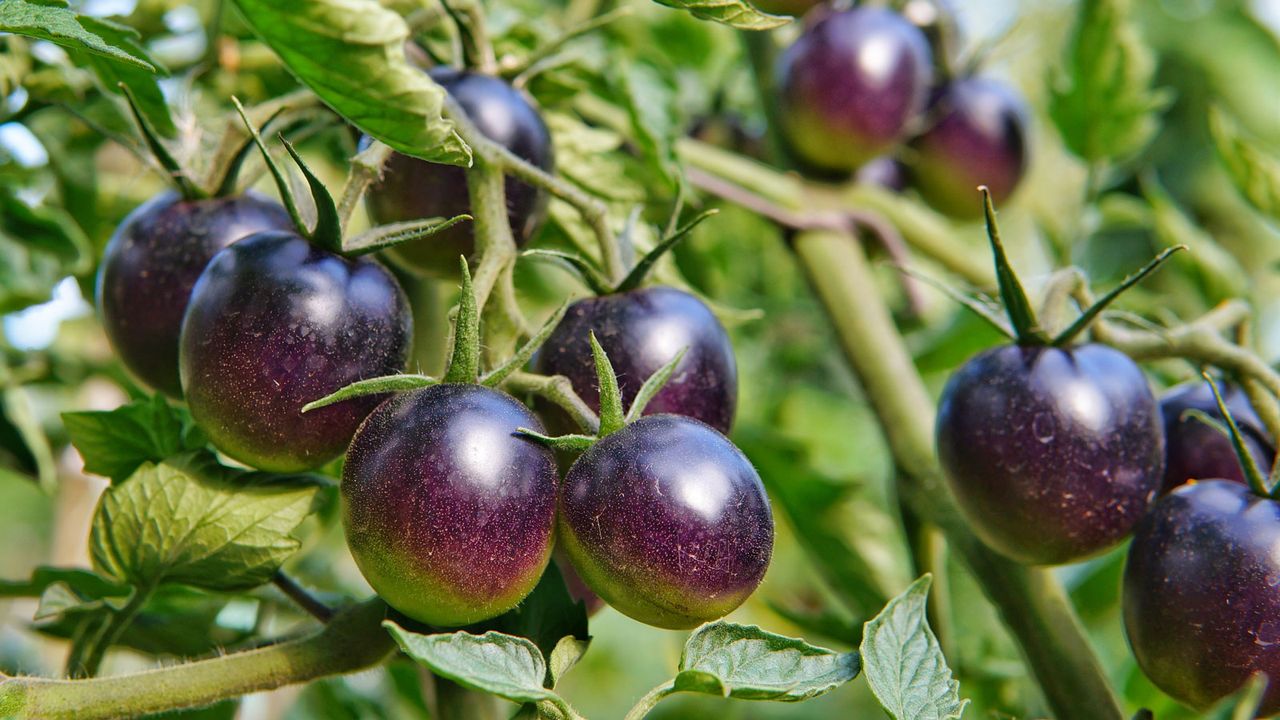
(547, 616)
(903, 661)
(1253, 170)
(503, 665)
(59, 24)
(1101, 100)
(748, 663)
(114, 443)
(735, 13)
(142, 83)
(190, 520)
(376, 89)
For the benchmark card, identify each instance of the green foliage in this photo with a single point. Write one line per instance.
(377, 89)
(734, 13)
(904, 663)
(52, 20)
(189, 520)
(1253, 169)
(1102, 100)
(745, 662)
(114, 443)
(504, 665)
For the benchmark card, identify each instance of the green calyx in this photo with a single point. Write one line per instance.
(464, 361)
(172, 168)
(1024, 327)
(1252, 473)
(596, 281)
(612, 417)
(327, 232)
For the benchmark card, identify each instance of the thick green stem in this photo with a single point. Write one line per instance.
(353, 641)
(1030, 601)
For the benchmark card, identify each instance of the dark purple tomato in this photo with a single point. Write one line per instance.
(667, 521)
(1202, 593)
(786, 7)
(884, 171)
(977, 137)
(274, 323)
(412, 189)
(150, 265)
(641, 331)
(449, 512)
(1195, 450)
(1053, 454)
(850, 87)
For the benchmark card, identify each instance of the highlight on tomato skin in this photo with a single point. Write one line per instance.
(412, 189)
(1053, 454)
(274, 323)
(1199, 593)
(642, 330)
(448, 511)
(851, 88)
(151, 263)
(667, 522)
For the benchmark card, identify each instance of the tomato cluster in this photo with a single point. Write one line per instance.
(451, 510)
(865, 89)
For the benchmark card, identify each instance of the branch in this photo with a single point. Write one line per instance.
(557, 390)
(354, 641)
(302, 597)
(366, 168)
(591, 208)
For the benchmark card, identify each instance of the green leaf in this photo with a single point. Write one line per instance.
(142, 83)
(735, 13)
(1101, 99)
(55, 22)
(564, 656)
(190, 520)
(748, 663)
(503, 665)
(114, 443)
(373, 386)
(904, 664)
(83, 582)
(1254, 170)
(24, 448)
(547, 617)
(375, 88)
(650, 103)
(46, 228)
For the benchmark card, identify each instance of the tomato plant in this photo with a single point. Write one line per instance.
(625, 358)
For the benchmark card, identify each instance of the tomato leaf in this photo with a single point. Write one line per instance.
(503, 665)
(190, 520)
(53, 21)
(748, 663)
(904, 663)
(376, 88)
(114, 443)
(735, 13)
(548, 617)
(1102, 100)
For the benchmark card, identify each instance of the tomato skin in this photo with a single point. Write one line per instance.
(413, 189)
(851, 87)
(978, 137)
(448, 511)
(667, 521)
(1201, 607)
(1053, 454)
(150, 265)
(275, 323)
(641, 331)
(1197, 451)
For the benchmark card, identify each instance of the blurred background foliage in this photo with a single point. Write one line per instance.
(616, 99)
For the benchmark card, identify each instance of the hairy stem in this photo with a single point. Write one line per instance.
(353, 641)
(650, 700)
(1029, 600)
(366, 168)
(111, 631)
(555, 389)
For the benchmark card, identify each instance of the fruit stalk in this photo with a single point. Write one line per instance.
(353, 641)
(1030, 601)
